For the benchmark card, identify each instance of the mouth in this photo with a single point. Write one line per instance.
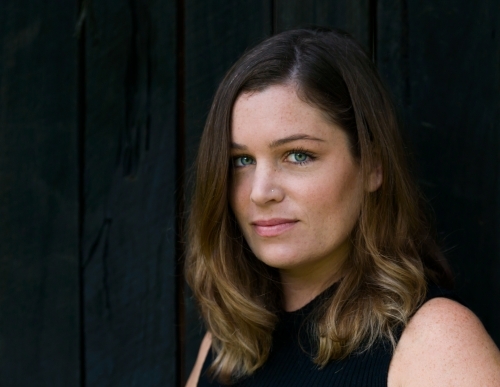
(273, 227)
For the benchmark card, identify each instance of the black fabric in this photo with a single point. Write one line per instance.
(290, 360)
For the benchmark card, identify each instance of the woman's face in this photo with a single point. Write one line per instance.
(296, 190)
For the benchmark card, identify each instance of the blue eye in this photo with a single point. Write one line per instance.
(298, 157)
(242, 161)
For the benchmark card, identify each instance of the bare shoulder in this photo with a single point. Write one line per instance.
(445, 344)
(202, 355)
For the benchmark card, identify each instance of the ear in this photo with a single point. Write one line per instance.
(376, 177)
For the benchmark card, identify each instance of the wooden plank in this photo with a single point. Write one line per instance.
(217, 33)
(392, 49)
(442, 63)
(130, 181)
(351, 16)
(39, 319)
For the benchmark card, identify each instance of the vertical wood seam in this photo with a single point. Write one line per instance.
(179, 195)
(81, 117)
(373, 27)
(405, 52)
(274, 17)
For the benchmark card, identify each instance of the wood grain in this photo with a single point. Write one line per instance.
(351, 16)
(442, 63)
(130, 182)
(39, 290)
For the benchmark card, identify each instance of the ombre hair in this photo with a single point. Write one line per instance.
(393, 256)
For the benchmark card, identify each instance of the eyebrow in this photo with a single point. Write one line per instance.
(281, 141)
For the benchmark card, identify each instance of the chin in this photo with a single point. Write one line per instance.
(280, 259)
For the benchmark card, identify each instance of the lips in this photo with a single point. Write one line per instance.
(273, 227)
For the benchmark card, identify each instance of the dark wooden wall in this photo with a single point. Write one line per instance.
(39, 195)
(102, 104)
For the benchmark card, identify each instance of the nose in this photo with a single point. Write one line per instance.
(266, 187)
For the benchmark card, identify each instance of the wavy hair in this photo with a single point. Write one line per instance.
(393, 254)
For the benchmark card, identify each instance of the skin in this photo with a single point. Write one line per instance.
(293, 167)
(202, 354)
(445, 344)
(296, 193)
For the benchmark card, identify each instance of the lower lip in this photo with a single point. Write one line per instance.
(271, 231)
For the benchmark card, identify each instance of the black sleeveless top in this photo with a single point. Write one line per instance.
(290, 359)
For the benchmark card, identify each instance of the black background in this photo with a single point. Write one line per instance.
(101, 107)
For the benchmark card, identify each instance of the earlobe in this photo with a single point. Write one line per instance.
(376, 178)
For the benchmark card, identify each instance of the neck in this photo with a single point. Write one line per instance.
(300, 288)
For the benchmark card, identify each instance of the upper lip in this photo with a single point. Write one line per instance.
(272, 222)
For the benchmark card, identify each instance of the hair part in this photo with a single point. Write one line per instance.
(393, 255)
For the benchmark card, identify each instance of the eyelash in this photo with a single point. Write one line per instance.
(310, 157)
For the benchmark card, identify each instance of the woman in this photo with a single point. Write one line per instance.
(310, 255)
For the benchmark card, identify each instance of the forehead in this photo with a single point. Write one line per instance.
(276, 111)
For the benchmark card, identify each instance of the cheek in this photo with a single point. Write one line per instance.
(337, 199)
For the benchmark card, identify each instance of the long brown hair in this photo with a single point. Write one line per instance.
(393, 254)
